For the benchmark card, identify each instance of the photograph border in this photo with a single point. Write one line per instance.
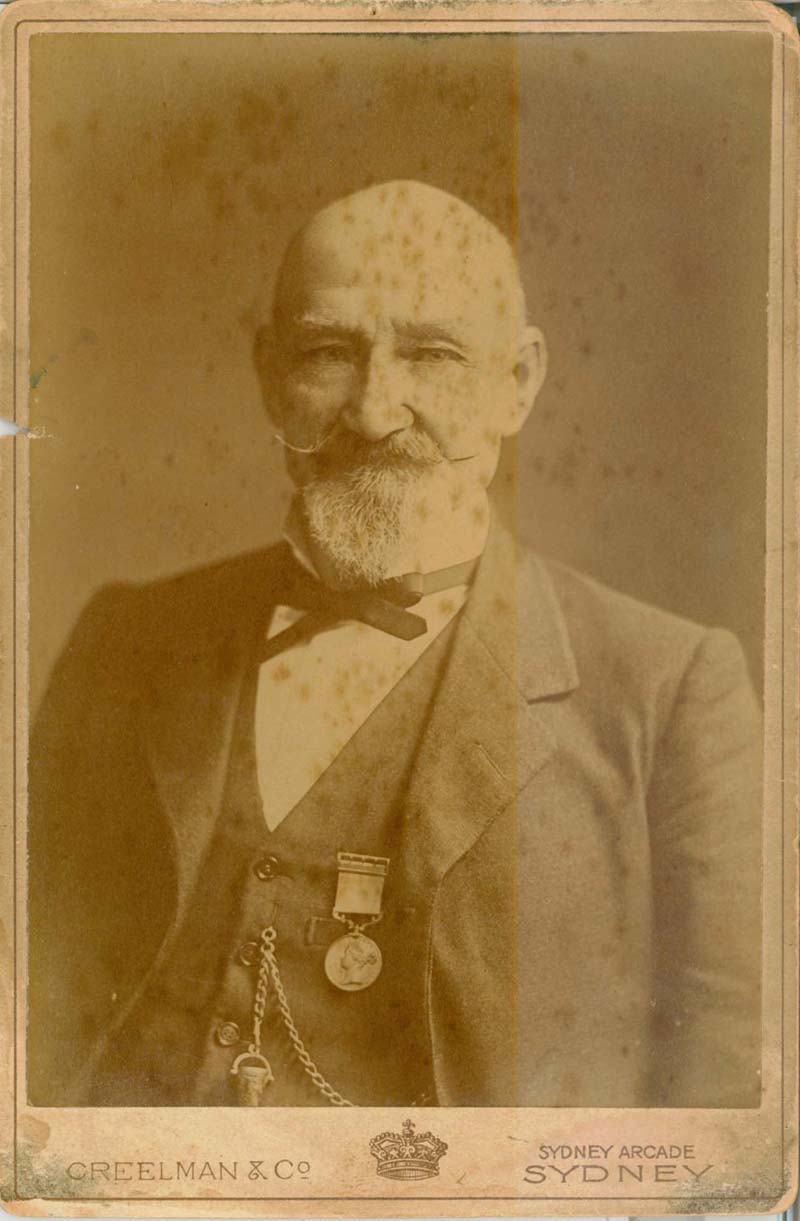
(23, 18)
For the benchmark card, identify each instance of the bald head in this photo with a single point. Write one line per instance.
(408, 247)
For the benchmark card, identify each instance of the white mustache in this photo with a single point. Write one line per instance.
(320, 445)
(305, 449)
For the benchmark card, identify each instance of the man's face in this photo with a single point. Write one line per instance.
(393, 366)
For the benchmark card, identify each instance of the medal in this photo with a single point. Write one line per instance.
(354, 961)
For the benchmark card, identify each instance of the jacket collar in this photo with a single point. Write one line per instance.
(514, 610)
(491, 726)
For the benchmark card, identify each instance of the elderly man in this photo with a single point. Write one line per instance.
(393, 813)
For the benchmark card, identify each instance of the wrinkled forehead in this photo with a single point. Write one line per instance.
(415, 260)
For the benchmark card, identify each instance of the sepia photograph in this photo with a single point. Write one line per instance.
(403, 720)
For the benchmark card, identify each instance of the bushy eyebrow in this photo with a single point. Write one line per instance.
(314, 323)
(444, 331)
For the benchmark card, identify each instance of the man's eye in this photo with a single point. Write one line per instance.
(436, 356)
(328, 354)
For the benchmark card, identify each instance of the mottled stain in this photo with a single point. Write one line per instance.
(60, 137)
(35, 1131)
(186, 149)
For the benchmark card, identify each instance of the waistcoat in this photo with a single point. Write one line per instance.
(178, 1046)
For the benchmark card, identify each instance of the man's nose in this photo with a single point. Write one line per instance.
(378, 406)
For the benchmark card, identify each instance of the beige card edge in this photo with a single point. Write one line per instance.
(780, 885)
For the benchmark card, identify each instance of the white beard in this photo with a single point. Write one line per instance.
(361, 518)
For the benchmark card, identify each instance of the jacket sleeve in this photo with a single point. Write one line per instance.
(704, 809)
(73, 793)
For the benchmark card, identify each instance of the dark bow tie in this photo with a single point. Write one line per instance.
(382, 606)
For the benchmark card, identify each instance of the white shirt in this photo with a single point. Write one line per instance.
(314, 696)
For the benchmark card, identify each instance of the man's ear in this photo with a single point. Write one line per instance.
(529, 374)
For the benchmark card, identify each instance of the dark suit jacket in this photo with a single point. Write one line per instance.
(584, 811)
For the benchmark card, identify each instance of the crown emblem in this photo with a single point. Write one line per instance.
(404, 1155)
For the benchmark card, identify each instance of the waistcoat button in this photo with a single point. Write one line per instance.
(227, 1034)
(248, 953)
(266, 868)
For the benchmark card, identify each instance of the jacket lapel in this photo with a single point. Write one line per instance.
(188, 738)
(187, 703)
(188, 722)
(487, 734)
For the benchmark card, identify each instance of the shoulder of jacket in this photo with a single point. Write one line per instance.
(231, 570)
(606, 625)
(192, 587)
(170, 616)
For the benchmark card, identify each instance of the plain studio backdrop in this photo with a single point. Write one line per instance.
(168, 172)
